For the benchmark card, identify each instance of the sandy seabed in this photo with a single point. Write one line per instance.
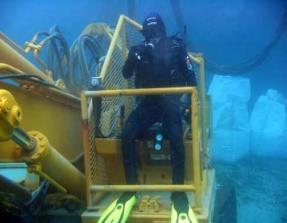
(261, 188)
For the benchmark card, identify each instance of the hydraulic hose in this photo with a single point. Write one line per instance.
(56, 56)
(87, 56)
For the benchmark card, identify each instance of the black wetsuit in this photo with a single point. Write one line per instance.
(163, 65)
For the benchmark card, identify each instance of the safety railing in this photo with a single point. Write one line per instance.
(90, 150)
(127, 34)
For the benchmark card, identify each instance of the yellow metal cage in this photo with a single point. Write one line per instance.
(102, 151)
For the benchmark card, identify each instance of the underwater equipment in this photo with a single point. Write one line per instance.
(181, 211)
(119, 210)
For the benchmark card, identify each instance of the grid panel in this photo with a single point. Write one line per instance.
(104, 116)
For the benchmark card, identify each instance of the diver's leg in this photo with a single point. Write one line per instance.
(139, 120)
(173, 123)
(181, 210)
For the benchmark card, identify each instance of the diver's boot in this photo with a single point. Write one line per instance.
(119, 210)
(181, 212)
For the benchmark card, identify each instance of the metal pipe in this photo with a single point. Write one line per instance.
(132, 22)
(36, 169)
(21, 138)
(149, 188)
(139, 91)
(196, 150)
(8, 69)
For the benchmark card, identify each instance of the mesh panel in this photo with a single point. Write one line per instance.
(129, 35)
(97, 163)
(106, 124)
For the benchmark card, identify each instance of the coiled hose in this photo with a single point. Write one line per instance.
(51, 51)
(87, 57)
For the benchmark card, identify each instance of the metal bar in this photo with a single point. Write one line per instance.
(194, 58)
(84, 105)
(8, 69)
(196, 150)
(149, 188)
(48, 178)
(203, 104)
(132, 22)
(21, 138)
(85, 131)
(111, 48)
(139, 91)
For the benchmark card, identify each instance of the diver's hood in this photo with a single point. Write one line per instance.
(153, 27)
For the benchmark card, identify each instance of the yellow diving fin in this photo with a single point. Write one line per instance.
(119, 210)
(181, 212)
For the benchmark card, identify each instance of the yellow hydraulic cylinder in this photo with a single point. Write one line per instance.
(10, 115)
(35, 149)
(51, 165)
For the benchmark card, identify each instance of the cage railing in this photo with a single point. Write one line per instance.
(195, 186)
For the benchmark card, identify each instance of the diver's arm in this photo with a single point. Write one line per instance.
(128, 68)
(183, 61)
(133, 57)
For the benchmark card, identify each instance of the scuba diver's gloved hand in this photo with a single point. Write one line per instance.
(140, 53)
(135, 56)
(152, 43)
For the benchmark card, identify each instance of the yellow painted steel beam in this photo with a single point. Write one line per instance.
(10, 55)
(145, 188)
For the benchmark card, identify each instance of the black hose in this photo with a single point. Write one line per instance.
(57, 57)
(86, 54)
(248, 64)
(258, 59)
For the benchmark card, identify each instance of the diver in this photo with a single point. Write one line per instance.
(159, 61)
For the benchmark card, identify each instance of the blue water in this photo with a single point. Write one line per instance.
(226, 32)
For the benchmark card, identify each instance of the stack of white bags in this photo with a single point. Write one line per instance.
(235, 134)
(231, 131)
(268, 125)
